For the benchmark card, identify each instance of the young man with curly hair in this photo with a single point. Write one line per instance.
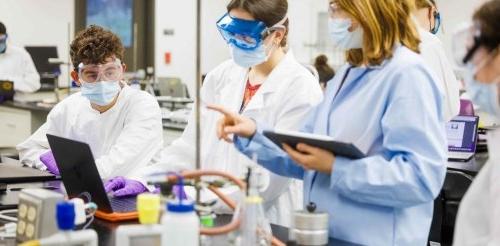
(121, 125)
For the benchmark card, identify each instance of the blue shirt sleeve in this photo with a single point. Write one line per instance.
(269, 155)
(411, 168)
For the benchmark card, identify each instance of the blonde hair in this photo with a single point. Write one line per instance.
(420, 4)
(386, 23)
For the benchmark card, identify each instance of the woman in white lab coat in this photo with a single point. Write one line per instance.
(262, 81)
(121, 125)
(432, 50)
(478, 220)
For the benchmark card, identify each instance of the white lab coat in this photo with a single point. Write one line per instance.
(478, 220)
(123, 139)
(16, 65)
(282, 101)
(432, 50)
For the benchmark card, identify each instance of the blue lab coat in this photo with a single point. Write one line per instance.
(392, 112)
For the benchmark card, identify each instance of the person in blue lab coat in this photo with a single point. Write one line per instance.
(387, 103)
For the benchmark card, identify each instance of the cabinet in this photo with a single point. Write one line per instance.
(15, 126)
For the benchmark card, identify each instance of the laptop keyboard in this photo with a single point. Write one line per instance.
(459, 155)
(123, 205)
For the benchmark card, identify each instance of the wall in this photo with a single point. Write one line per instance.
(170, 14)
(44, 22)
(454, 13)
(179, 17)
(40, 23)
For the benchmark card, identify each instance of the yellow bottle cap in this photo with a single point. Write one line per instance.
(148, 206)
(253, 199)
(31, 243)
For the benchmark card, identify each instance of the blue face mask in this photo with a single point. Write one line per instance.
(3, 47)
(101, 93)
(483, 95)
(249, 58)
(342, 37)
(437, 23)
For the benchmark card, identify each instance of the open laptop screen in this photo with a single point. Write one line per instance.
(461, 132)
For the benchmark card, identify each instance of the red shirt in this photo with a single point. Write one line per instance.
(250, 91)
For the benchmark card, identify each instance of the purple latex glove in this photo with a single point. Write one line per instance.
(122, 186)
(48, 160)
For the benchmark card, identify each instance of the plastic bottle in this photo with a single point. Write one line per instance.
(65, 215)
(135, 84)
(181, 224)
(149, 232)
(255, 229)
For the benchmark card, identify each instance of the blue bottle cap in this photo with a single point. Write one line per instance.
(65, 215)
(183, 206)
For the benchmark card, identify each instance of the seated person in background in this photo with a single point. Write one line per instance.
(325, 72)
(17, 66)
(121, 125)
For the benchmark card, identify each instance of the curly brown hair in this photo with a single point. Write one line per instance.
(94, 45)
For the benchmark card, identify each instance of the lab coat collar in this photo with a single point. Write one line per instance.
(273, 83)
(382, 65)
(278, 75)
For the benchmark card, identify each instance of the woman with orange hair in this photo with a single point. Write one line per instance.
(386, 102)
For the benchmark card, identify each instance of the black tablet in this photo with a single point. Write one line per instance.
(324, 142)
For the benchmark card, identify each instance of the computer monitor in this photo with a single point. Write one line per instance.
(462, 134)
(48, 72)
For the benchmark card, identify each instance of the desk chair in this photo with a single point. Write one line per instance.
(437, 220)
(455, 185)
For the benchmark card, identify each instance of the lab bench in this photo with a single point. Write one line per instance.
(19, 120)
(106, 230)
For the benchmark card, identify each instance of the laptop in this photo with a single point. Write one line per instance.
(13, 172)
(462, 134)
(80, 178)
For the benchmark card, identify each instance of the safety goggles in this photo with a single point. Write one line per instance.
(466, 41)
(244, 34)
(111, 71)
(437, 22)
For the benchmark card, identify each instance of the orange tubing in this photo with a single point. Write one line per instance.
(235, 223)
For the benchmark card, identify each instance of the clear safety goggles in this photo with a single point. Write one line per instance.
(335, 11)
(111, 71)
(466, 41)
(245, 34)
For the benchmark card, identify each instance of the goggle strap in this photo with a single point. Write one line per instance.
(279, 25)
(472, 50)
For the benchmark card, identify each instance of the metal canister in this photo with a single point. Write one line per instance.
(311, 228)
